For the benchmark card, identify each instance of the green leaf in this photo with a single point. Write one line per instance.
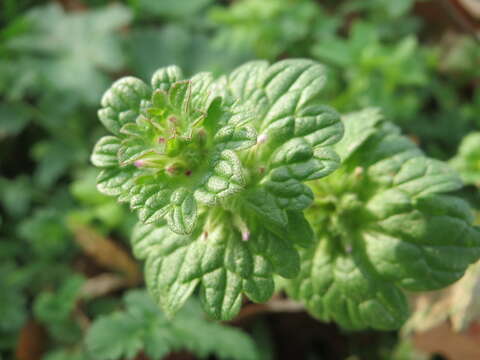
(299, 230)
(13, 309)
(172, 10)
(226, 178)
(424, 244)
(467, 161)
(153, 202)
(343, 288)
(13, 119)
(361, 126)
(166, 290)
(87, 46)
(244, 80)
(265, 205)
(160, 99)
(214, 115)
(217, 260)
(115, 181)
(165, 77)
(54, 309)
(139, 140)
(179, 95)
(204, 91)
(142, 326)
(318, 125)
(51, 307)
(46, 233)
(183, 214)
(335, 51)
(132, 149)
(280, 252)
(422, 176)
(299, 159)
(115, 336)
(121, 103)
(235, 137)
(295, 83)
(290, 193)
(16, 195)
(66, 354)
(105, 152)
(54, 159)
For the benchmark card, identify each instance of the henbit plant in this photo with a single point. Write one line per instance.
(382, 223)
(216, 170)
(221, 207)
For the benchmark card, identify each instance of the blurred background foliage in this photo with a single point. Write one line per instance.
(64, 258)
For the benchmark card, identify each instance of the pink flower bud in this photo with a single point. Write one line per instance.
(139, 163)
(262, 138)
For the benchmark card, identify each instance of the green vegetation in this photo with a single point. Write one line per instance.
(270, 192)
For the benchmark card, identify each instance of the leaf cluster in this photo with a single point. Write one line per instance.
(383, 223)
(223, 164)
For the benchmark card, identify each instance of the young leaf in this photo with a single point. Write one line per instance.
(163, 78)
(115, 181)
(179, 95)
(105, 152)
(227, 178)
(234, 137)
(183, 215)
(121, 103)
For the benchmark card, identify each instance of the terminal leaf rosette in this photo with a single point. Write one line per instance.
(172, 142)
(383, 222)
(216, 169)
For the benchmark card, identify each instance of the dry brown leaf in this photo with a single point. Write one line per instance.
(459, 304)
(429, 310)
(276, 304)
(107, 253)
(465, 299)
(472, 7)
(102, 284)
(453, 345)
(31, 342)
(73, 5)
